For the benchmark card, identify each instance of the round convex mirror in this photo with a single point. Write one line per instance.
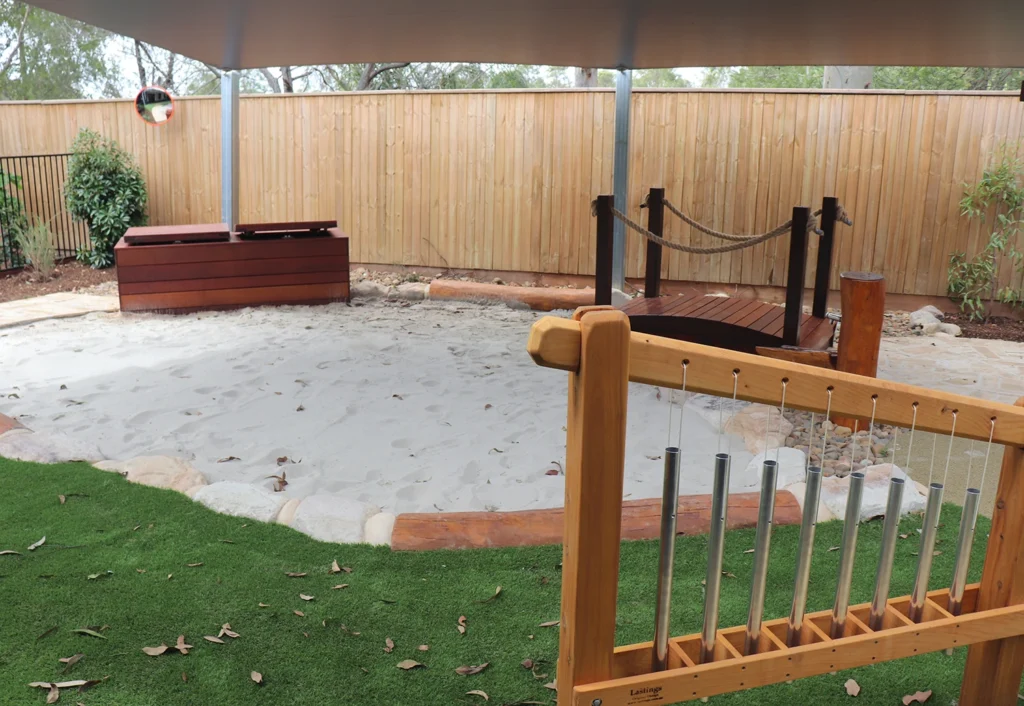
(154, 105)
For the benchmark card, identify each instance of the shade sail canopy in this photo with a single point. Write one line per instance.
(239, 34)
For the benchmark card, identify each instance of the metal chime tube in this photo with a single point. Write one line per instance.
(669, 506)
(890, 531)
(847, 551)
(926, 553)
(762, 541)
(812, 496)
(716, 550)
(964, 544)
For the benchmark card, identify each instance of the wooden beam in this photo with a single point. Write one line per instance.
(655, 224)
(823, 271)
(993, 671)
(555, 343)
(819, 657)
(594, 460)
(795, 276)
(603, 251)
(803, 356)
(863, 307)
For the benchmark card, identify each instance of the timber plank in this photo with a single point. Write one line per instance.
(252, 296)
(236, 249)
(247, 281)
(640, 520)
(195, 233)
(233, 268)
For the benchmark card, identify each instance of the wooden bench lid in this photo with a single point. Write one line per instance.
(162, 235)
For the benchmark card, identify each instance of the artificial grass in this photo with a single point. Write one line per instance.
(108, 524)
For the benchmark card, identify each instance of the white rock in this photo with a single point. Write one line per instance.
(799, 490)
(333, 518)
(242, 500)
(951, 329)
(41, 447)
(287, 513)
(834, 492)
(934, 311)
(753, 421)
(929, 329)
(368, 289)
(411, 291)
(159, 472)
(619, 298)
(792, 465)
(922, 317)
(716, 411)
(378, 529)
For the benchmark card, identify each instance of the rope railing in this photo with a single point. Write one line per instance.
(739, 242)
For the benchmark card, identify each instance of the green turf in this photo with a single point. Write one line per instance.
(412, 598)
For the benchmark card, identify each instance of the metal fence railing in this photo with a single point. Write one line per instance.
(32, 190)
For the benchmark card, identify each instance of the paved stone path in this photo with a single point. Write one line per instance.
(53, 306)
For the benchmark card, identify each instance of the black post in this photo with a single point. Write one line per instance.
(795, 282)
(655, 224)
(823, 272)
(603, 254)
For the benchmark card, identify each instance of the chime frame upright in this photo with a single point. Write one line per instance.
(602, 356)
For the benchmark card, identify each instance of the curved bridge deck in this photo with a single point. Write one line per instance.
(727, 322)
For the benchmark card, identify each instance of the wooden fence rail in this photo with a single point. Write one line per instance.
(503, 180)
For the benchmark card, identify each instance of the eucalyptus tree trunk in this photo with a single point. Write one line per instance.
(848, 77)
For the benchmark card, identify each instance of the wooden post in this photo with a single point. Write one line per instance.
(823, 272)
(993, 671)
(594, 459)
(862, 297)
(795, 281)
(603, 251)
(655, 224)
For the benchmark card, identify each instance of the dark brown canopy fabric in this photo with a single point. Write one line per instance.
(240, 34)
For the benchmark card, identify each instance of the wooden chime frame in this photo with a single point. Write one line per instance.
(602, 357)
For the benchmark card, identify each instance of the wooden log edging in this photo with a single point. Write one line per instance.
(640, 520)
(537, 298)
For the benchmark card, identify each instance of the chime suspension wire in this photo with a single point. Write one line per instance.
(931, 467)
(970, 462)
(988, 451)
(668, 391)
(949, 450)
(810, 444)
(871, 430)
(853, 446)
(895, 443)
(782, 417)
(824, 426)
(682, 408)
(735, 388)
(910, 444)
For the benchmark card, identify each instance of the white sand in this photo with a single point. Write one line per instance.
(411, 408)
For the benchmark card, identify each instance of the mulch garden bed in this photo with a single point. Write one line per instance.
(67, 277)
(1001, 328)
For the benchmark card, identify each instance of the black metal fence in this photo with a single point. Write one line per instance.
(32, 191)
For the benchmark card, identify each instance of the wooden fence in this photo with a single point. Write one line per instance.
(502, 180)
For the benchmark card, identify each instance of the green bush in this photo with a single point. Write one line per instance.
(12, 219)
(105, 189)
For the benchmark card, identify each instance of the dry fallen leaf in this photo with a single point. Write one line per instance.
(471, 669)
(213, 638)
(476, 692)
(551, 472)
(295, 574)
(304, 597)
(340, 585)
(62, 499)
(184, 677)
(335, 569)
(225, 629)
(170, 576)
(89, 632)
(192, 566)
(281, 460)
(553, 685)
(462, 625)
(264, 605)
(389, 645)
(228, 458)
(497, 592)
(833, 549)
(155, 651)
(527, 664)
(550, 624)
(180, 645)
(9, 551)
(423, 648)
(256, 677)
(140, 571)
(748, 551)
(904, 536)
(299, 613)
(51, 698)
(72, 660)
(920, 697)
(852, 687)
(33, 547)
(408, 664)
(280, 482)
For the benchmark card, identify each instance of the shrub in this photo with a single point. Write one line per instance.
(105, 189)
(12, 219)
(37, 246)
(973, 280)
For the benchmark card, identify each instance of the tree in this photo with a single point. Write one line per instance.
(586, 78)
(47, 56)
(906, 78)
(848, 77)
